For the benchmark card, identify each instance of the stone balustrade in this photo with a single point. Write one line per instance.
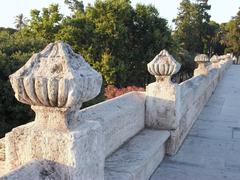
(55, 82)
(67, 143)
(175, 107)
(202, 61)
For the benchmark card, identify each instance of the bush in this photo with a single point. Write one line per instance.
(111, 91)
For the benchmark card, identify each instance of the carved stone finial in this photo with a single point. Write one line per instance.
(163, 66)
(55, 82)
(225, 57)
(215, 60)
(56, 77)
(202, 60)
(235, 59)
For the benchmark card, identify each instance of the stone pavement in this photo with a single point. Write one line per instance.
(212, 149)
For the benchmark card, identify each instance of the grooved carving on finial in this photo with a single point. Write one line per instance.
(163, 65)
(201, 58)
(56, 77)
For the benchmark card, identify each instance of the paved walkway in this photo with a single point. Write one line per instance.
(212, 149)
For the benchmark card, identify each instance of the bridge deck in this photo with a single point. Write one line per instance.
(212, 148)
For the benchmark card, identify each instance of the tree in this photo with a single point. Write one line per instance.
(191, 25)
(20, 21)
(231, 34)
(149, 35)
(75, 5)
(45, 24)
(212, 40)
(15, 50)
(117, 40)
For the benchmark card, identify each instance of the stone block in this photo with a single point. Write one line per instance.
(162, 95)
(2, 149)
(79, 150)
(121, 118)
(161, 102)
(138, 158)
(193, 95)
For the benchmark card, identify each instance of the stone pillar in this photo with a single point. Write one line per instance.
(55, 82)
(202, 60)
(161, 100)
(235, 61)
(215, 61)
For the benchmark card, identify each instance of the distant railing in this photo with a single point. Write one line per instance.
(67, 143)
(237, 61)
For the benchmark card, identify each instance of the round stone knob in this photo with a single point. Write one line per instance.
(201, 58)
(56, 77)
(214, 59)
(163, 65)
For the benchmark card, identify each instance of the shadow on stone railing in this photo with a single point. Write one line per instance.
(40, 169)
(236, 60)
(56, 81)
(175, 107)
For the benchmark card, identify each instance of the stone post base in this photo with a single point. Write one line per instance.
(161, 102)
(78, 152)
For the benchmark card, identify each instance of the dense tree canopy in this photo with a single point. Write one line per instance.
(231, 35)
(14, 51)
(192, 24)
(116, 39)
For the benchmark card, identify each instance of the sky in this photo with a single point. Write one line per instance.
(221, 11)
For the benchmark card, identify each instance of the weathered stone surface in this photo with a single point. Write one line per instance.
(161, 101)
(2, 149)
(121, 118)
(163, 65)
(138, 158)
(56, 82)
(175, 107)
(72, 144)
(215, 61)
(39, 170)
(56, 77)
(235, 59)
(211, 150)
(202, 60)
(2, 168)
(79, 151)
(224, 65)
(2, 157)
(162, 95)
(194, 94)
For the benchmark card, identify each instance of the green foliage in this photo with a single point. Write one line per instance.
(116, 39)
(20, 21)
(14, 51)
(45, 24)
(75, 5)
(231, 34)
(192, 25)
(212, 41)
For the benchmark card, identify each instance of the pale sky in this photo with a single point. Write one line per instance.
(221, 11)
